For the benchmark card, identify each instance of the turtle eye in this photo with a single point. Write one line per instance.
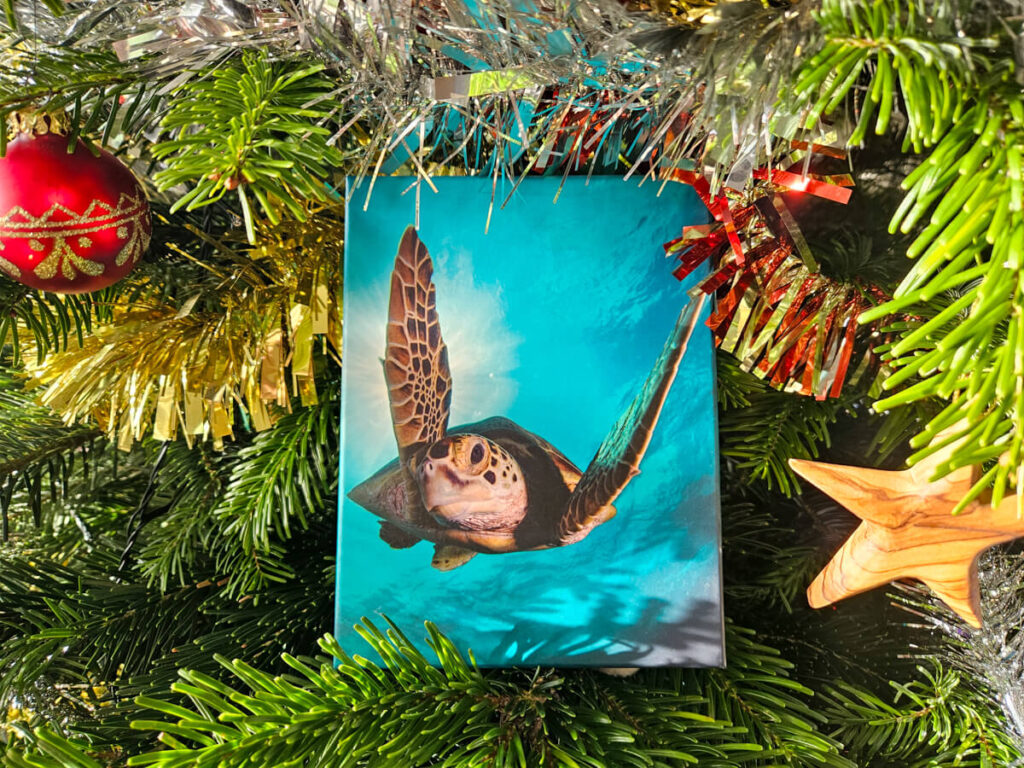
(477, 454)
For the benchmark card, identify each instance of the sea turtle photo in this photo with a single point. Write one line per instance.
(489, 487)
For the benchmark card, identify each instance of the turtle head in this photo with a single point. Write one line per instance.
(472, 483)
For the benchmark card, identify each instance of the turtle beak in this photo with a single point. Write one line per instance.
(445, 494)
(436, 478)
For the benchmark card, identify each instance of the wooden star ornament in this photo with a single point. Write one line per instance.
(908, 532)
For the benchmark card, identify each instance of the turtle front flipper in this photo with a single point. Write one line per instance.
(416, 361)
(394, 536)
(618, 458)
(448, 557)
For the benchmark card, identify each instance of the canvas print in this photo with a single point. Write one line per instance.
(529, 445)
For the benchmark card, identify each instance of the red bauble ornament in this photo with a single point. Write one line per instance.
(69, 223)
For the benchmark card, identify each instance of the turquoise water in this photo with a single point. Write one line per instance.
(552, 318)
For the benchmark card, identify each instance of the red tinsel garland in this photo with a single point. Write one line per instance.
(783, 319)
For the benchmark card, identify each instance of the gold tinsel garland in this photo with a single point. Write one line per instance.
(167, 368)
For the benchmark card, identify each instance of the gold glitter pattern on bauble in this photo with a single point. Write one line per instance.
(60, 224)
(9, 268)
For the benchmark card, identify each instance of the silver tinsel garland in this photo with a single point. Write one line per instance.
(498, 87)
(992, 657)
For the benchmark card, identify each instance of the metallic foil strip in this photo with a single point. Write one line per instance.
(794, 232)
(846, 350)
(459, 89)
(740, 319)
(775, 317)
(319, 314)
(801, 183)
(165, 422)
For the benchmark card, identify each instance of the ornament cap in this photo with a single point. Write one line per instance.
(36, 123)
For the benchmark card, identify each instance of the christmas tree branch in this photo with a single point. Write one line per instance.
(32, 437)
(66, 641)
(761, 428)
(361, 714)
(286, 474)
(255, 127)
(100, 95)
(964, 203)
(935, 720)
(52, 322)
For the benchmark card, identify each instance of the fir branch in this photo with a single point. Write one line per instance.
(767, 559)
(967, 353)
(234, 511)
(989, 658)
(756, 692)
(964, 202)
(65, 632)
(255, 127)
(47, 747)
(772, 428)
(897, 427)
(284, 473)
(934, 721)
(917, 49)
(416, 714)
(290, 617)
(173, 550)
(53, 323)
(32, 436)
(735, 387)
(100, 95)
(35, 445)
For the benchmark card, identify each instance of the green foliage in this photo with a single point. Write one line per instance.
(37, 454)
(233, 512)
(897, 427)
(915, 50)
(761, 429)
(969, 353)
(284, 472)
(766, 564)
(756, 692)
(175, 547)
(932, 722)
(102, 97)
(75, 636)
(255, 126)
(75, 646)
(233, 560)
(51, 320)
(65, 631)
(964, 206)
(48, 748)
(413, 713)
(31, 435)
(416, 713)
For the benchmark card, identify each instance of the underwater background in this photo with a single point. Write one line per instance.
(553, 318)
